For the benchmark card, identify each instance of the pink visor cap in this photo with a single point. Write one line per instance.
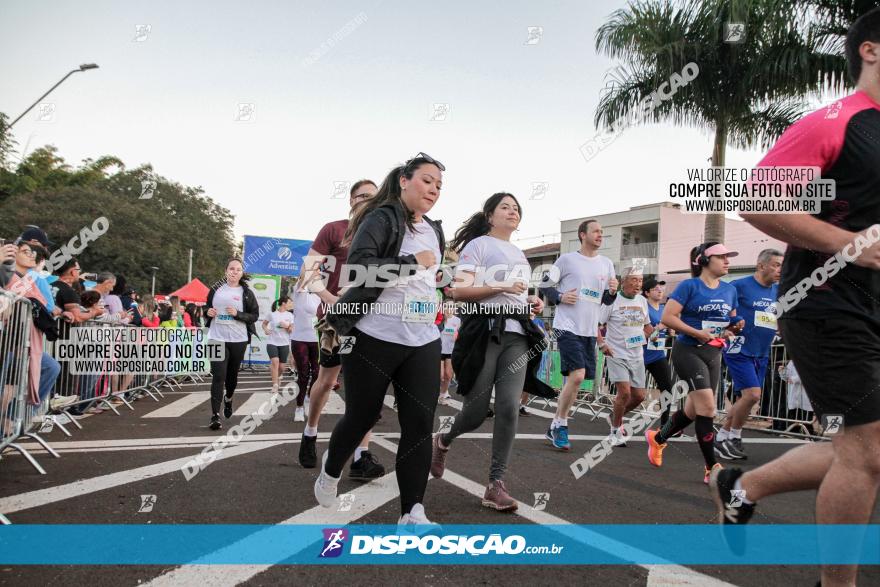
(718, 250)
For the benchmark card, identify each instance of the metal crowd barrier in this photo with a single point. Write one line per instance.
(783, 408)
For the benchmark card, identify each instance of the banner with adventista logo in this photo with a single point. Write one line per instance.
(266, 288)
(274, 256)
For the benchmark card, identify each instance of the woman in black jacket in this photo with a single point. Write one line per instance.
(395, 340)
(232, 312)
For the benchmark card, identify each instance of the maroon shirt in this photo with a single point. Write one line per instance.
(329, 243)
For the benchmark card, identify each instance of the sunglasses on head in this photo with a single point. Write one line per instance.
(427, 159)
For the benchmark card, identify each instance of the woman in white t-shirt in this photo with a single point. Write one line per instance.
(278, 325)
(448, 334)
(232, 312)
(304, 342)
(492, 271)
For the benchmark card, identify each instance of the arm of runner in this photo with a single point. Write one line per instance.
(671, 317)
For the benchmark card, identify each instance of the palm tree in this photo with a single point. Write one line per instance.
(746, 93)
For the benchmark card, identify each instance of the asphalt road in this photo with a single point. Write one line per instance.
(106, 468)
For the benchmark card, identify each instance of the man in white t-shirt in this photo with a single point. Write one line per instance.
(586, 282)
(628, 328)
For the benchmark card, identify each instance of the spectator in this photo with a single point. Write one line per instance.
(66, 294)
(105, 282)
(126, 298)
(7, 262)
(149, 312)
(195, 314)
(183, 319)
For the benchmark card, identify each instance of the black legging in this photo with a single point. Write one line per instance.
(226, 372)
(659, 370)
(413, 371)
(305, 356)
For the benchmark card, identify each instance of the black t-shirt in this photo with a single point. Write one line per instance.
(843, 140)
(64, 294)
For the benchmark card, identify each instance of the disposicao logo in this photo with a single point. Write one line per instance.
(334, 540)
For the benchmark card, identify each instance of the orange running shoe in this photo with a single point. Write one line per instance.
(655, 449)
(716, 466)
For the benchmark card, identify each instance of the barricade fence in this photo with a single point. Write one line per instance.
(783, 409)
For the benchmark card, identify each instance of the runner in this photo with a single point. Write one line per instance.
(448, 335)
(330, 252)
(389, 332)
(495, 273)
(700, 310)
(655, 351)
(304, 343)
(628, 327)
(585, 277)
(748, 353)
(232, 312)
(833, 333)
(278, 326)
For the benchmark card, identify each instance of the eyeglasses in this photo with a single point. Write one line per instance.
(427, 158)
(27, 252)
(365, 196)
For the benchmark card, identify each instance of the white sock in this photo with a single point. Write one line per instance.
(736, 432)
(737, 486)
(557, 422)
(311, 431)
(722, 435)
(358, 451)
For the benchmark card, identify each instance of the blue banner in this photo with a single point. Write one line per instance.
(274, 256)
(518, 544)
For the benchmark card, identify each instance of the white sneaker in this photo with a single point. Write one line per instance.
(415, 517)
(299, 415)
(325, 486)
(618, 439)
(274, 388)
(442, 399)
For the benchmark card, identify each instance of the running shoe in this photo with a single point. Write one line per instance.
(325, 486)
(227, 407)
(655, 449)
(523, 411)
(274, 388)
(215, 422)
(299, 415)
(735, 447)
(366, 468)
(731, 507)
(618, 439)
(443, 399)
(497, 498)
(490, 414)
(415, 517)
(308, 455)
(59, 402)
(722, 450)
(438, 458)
(558, 437)
(708, 472)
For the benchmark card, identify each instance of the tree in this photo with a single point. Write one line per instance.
(158, 231)
(746, 93)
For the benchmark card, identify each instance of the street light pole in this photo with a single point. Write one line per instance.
(83, 67)
(153, 288)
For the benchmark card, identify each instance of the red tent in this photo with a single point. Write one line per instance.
(194, 291)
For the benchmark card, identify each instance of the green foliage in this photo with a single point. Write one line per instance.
(159, 231)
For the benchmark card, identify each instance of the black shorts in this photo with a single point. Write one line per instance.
(278, 352)
(576, 352)
(700, 366)
(838, 361)
(329, 360)
(444, 356)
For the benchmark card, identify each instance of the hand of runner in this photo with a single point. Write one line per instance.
(517, 288)
(570, 297)
(231, 311)
(606, 349)
(212, 312)
(426, 258)
(536, 303)
(870, 256)
(612, 285)
(705, 336)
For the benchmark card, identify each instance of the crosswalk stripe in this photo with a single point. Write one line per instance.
(252, 404)
(181, 406)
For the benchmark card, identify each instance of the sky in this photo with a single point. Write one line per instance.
(341, 91)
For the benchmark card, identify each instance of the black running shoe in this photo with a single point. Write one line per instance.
(215, 422)
(523, 411)
(735, 447)
(732, 509)
(366, 468)
(227, 407)
(308, 455)
(722, 450)
(491, 414)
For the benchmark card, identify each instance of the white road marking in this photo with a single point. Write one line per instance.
(181, 406)
(543, 518)
(41, 497)
(251, 404)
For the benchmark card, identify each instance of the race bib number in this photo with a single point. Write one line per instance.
(657, 344)
(419, 309)
(765, 320)
(225, 317)
(716, 327)
(449, 331)
(635, 341)
(591, 295)
(736, 345)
